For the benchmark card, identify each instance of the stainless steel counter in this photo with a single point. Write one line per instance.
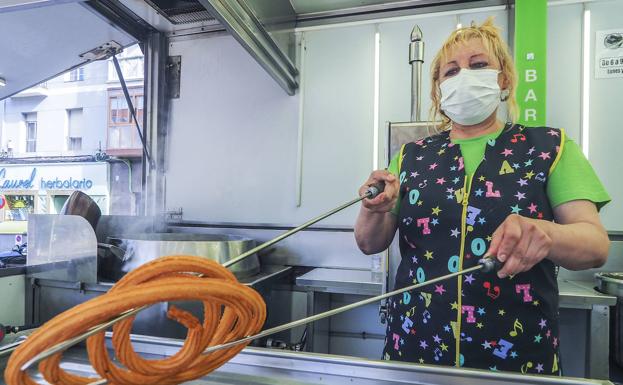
(581, 295)
(584, 317)
(342, 281)
(572, 294)
(12, 270)
(261, 366)
(585, 324)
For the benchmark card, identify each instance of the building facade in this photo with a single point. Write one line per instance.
(73, 132)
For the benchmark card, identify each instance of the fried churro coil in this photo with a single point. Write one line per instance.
(231, 311)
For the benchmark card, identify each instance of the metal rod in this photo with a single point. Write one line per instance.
(73, 341)
(128, 100)
(7, 349)
(295, 230)
(372, 192)
(329, 313)
(339, 310)
(416, 59)
(417, 85)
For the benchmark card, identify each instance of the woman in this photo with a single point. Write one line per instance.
(483, 188)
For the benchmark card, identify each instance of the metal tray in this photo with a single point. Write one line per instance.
(255, 366)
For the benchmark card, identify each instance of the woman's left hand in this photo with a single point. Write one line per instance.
(519, 243)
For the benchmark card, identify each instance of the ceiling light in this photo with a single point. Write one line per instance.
(2, 82)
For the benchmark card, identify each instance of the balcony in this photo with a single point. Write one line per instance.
(40, 89)
(123, 141)
(125, 152)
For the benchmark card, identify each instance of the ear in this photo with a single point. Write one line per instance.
(504, 81)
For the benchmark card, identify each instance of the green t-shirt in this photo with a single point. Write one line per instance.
(572, 178)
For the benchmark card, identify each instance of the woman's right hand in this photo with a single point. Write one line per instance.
(385, 201)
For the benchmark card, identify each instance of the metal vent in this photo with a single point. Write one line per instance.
(181, 11)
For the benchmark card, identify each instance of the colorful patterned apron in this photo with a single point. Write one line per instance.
(506, 324)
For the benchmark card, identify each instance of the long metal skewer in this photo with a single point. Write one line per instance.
(73, 341)
(338, 310)
(485, 265)
(371, 192)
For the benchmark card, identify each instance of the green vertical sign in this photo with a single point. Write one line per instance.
(531, 60)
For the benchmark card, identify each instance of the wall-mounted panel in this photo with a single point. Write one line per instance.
(232, 140)
(605, 127)
(338, 118)
(233, 133)
(564, 68)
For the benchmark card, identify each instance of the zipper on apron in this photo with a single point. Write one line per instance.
(467, 186)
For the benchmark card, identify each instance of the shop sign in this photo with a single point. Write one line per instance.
(47, 183)
(609, 53)
(66, 184)
(16, 184)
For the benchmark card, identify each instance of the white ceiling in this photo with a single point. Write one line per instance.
(14, 4)
(311, 6)
(39, 43)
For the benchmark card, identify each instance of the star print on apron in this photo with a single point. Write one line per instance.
(446, 221)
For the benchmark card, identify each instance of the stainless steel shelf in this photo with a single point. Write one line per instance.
(340, 281)
(581, 295)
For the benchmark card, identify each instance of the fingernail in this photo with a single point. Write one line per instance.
(502, 257)
(501, 275)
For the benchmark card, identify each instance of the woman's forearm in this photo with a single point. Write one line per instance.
(376, 225)
(578, 246)
(577, 240)
(374, 231)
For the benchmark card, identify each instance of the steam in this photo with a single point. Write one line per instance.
(136, 255)
(118, 230)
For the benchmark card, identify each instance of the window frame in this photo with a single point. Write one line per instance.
(75, 75)
(113, 77)
(50, 194)
(135, 93)
(34, 194)
(69, 141)
(30, 140)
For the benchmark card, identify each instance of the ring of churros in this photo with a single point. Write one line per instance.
(231, 311)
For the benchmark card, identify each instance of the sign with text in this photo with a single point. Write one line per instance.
(531, 60)
(57, 176)
(609, 53)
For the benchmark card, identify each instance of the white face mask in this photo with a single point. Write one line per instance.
(470, 96)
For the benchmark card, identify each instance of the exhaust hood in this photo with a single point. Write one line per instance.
(266, 30)
(181, 11)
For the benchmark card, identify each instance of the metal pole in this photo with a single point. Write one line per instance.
(73, 341)
(128, 100)
(291, 232)
(339, 310)
(416, 58)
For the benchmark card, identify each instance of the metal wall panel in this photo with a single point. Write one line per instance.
(315, 248)
(564, 68)
(244, 127)
(12, 303)
(605, 122)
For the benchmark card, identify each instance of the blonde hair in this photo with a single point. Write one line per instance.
(490, 36)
